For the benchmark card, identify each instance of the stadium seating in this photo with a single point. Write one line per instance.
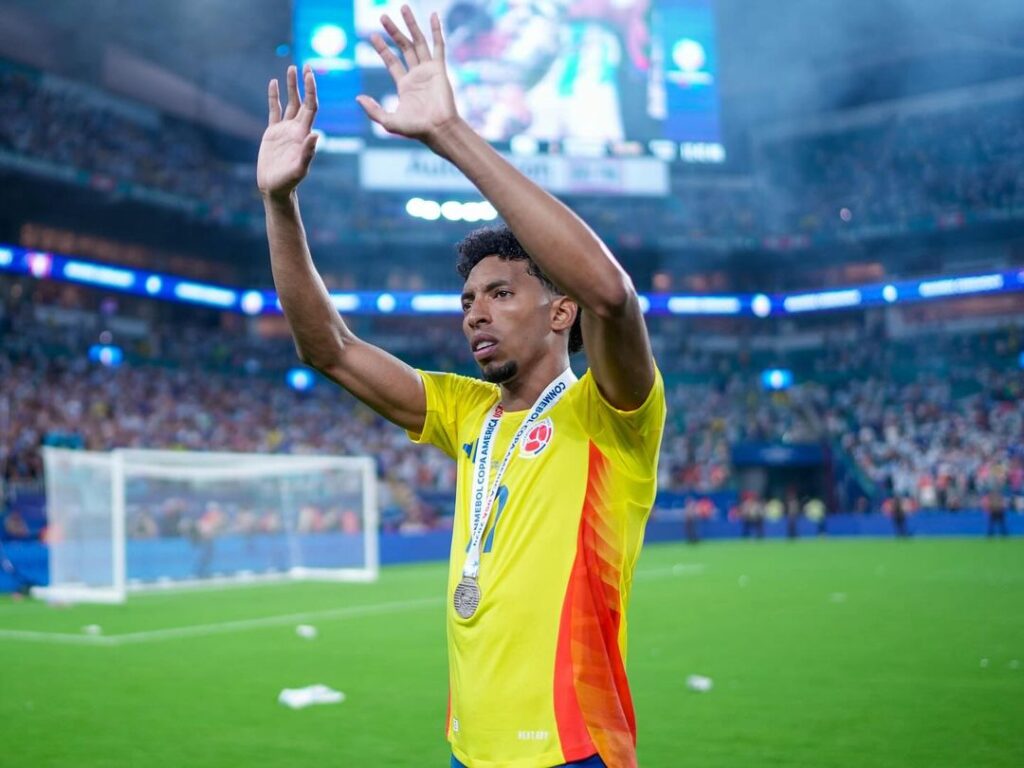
(938, 422)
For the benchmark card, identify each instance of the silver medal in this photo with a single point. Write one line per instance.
(467, 597)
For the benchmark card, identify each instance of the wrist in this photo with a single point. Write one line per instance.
(279, 198)
(443, 138)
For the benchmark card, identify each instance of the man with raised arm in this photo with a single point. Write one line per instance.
(556, 475)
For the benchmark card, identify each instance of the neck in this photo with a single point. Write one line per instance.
(523, 391)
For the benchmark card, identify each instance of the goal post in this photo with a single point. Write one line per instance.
(133, 520)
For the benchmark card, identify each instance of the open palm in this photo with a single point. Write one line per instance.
(425, 99)
(288, 143)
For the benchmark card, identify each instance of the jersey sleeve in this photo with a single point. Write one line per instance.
(450, 400)
(633, 438)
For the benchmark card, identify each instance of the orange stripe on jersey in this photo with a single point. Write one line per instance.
(448, 716)
(593, 706)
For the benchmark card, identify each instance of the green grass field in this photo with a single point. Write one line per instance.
(823, 653)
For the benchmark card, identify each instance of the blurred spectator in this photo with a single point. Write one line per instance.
(995, 508)
(15, 526)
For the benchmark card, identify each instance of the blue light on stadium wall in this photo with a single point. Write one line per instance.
(300, 379)
(704, 305)
(822, 300)
(776, 379)
(50, 266)
(40, 265)
(252, 302)
(209, 295)
(761, 305)
(1020, 360)
(97, 274)
(109, 355)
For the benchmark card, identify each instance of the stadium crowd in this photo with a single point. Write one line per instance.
(939, 424)
(923, 171)
(76, 128)
(939, 437)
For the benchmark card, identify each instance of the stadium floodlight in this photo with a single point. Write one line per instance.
(133, 520)
(776, 379)
(300, 379)
(452, 210)
(414, 207)
(108, 355)
(430, 210)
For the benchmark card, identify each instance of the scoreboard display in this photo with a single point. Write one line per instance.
(601, 78)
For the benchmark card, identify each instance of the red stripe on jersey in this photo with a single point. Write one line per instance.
(593, 706)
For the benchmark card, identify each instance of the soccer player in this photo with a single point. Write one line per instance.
(556, 476)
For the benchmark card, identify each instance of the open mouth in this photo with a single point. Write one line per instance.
(484, 348)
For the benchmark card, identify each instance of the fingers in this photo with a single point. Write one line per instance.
(392, 62)
(373, 110)
(292, 79)
(274, 102)
(309, 148)
(404, 43)
(435, 28)
(310, 104)
(418, 40)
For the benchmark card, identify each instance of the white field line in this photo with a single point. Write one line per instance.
(224, 627)
(60, 638)
(679, 569)
(243, 625)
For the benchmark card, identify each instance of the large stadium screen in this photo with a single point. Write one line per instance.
(615, 76)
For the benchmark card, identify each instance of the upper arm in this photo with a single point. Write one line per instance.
(382, 381)
(619, 352)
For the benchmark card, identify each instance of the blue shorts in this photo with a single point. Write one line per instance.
(594, 761)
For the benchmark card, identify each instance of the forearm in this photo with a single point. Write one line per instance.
(318, 329)
(561, 244)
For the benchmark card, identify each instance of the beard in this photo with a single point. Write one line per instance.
(501, 373)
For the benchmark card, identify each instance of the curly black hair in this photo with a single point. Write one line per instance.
(499, 241)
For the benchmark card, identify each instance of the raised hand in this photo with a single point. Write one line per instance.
(289, 142)
(425, 100)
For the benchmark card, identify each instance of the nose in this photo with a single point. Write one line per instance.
(478, 314)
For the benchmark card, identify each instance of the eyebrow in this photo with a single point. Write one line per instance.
(487, 288)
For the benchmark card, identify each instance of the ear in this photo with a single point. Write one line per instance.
(563, 313)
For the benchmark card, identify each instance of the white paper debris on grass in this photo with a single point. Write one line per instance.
(699, 683)
(299, 698)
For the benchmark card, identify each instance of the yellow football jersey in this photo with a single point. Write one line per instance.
(537, 675)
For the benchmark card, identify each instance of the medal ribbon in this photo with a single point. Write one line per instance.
(483, 502)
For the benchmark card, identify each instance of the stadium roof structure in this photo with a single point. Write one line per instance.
(778, 59)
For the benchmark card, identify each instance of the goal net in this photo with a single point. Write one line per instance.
(138, 519)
